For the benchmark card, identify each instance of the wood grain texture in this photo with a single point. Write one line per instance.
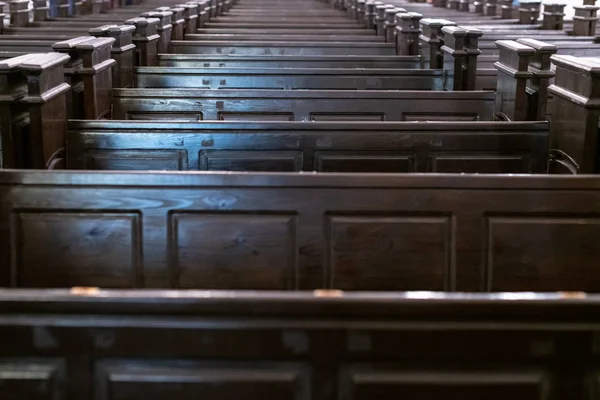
(302, 231)
(247, 345)
(477, 147)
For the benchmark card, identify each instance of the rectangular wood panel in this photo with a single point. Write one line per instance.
(368, 382)
(32, 379)
(474, 162)
(357, 161)
(250, 160)
(391, 252)
(552, 249)
(156, 160)
(159, 115)
(260, 248)
(66, 248)
(190, 380)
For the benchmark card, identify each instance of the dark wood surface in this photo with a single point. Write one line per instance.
(235, 61)
(257, 48)
(303, 105)
(476, 147)
(175, 345)
(301, 231)
(290, 78)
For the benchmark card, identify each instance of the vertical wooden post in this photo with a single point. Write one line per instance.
(472, 52)
(19, 13)
(407, 33)
(47, 107)
(390, 24)
(506, 9)
(489, 8)
(75, 97)
(190, 14)
(177, 21)
(585, 20)
(164, 28)
(13, 88)
(123, 52)
(529, 12)
(537, 86)
(513, 73)
(575, 113)
(40, 10)
(453, 56)
(380, 17)
(360, 11)
(553, 17)
(97, 76)
(369, 14)
(432, 40)
(145, 39)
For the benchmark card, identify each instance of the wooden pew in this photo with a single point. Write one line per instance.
(479, 147)
(284, 37)
(236, 61)
(303, 105)
(282, 48)
(289, 78)
(150, 345)
(299, 231)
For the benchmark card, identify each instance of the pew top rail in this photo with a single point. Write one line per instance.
(561, 307)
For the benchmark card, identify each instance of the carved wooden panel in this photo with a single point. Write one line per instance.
(250, 160)
(76, 248)
(187, 380)
(357, 161)
(255, 116)
(391, 252)
(157, 160)
(32, 379)
(365, 382)
(260, 247)
(159, 115)
(473, 163)
(551, 250)
(440, 116)
(335, 117)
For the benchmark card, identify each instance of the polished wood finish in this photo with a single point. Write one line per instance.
(299, 231)
(318, 146)
(234, 61)
(301, 105)
(290, 78)
(322, 346)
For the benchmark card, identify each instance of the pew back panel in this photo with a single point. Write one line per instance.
(305, 105)
(481, 147)
(298, 231)
(282, 48)
(233, 61)
(290, 78)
